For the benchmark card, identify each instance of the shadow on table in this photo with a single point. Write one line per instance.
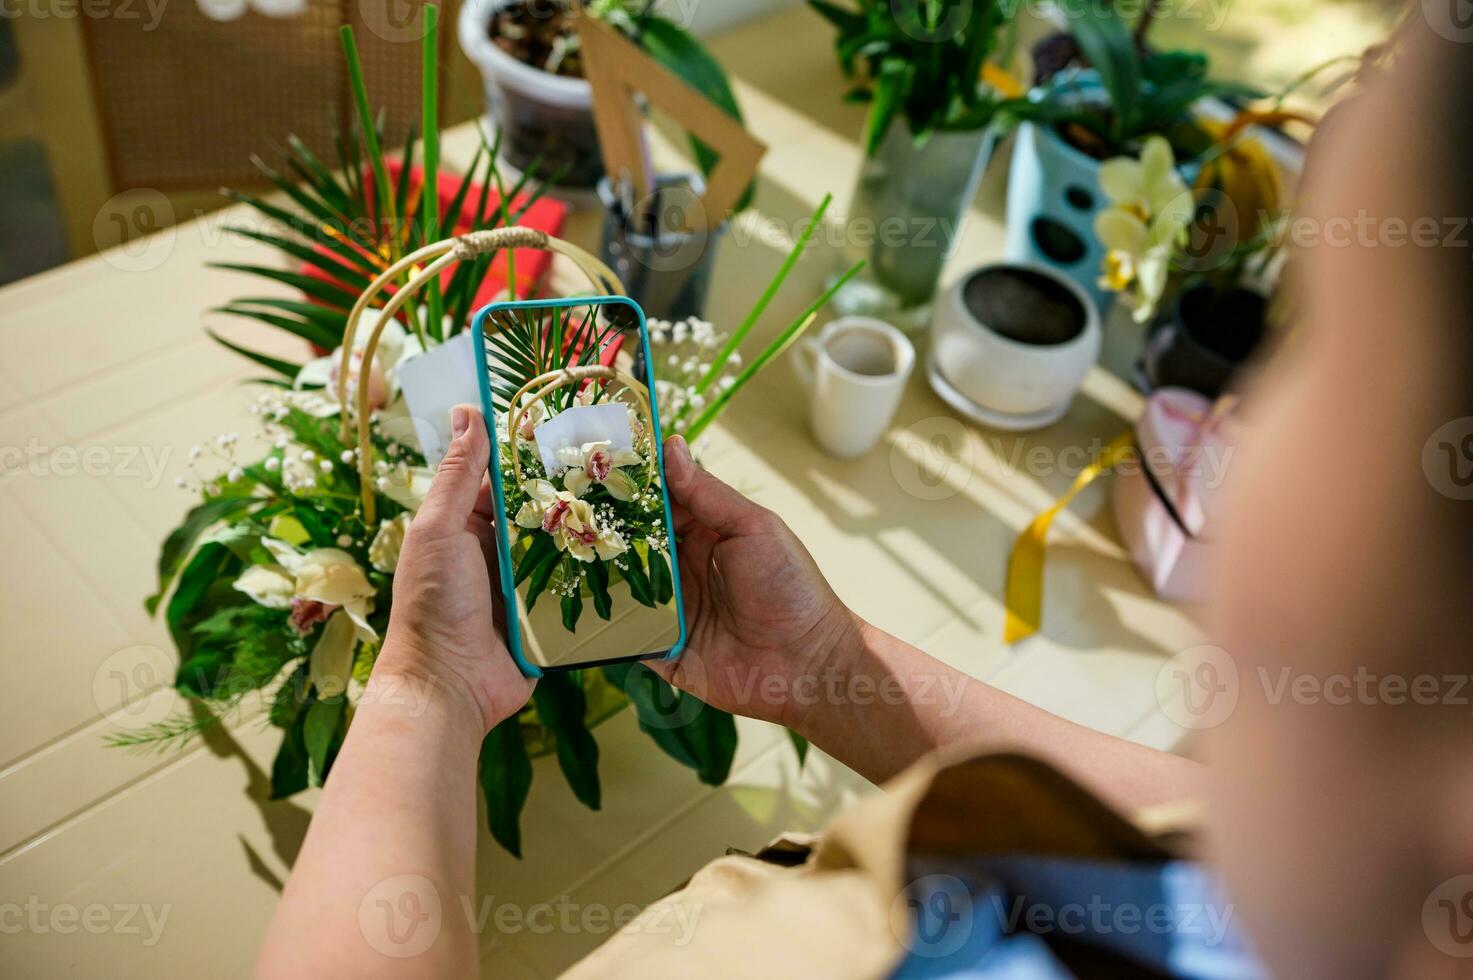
(737, 817)
(285, 821)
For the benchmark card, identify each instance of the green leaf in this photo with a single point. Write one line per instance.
(301, 328)
(1106, 42)
(541, 575)
(800, 745)
(639, 583)
(305, 162)
(661, 584)
(307, 202)
(561, 707)
(541, 549)
(429, 207)
(572, 606)
(239, 649)
(654, 702)
(312, 286)
(312, 230)
(506, 779)
(329, 320)
(598, 581)
(287, 701)
(289, 770)
(211, 563)
(202, 672)
(713, 739)
(356, 274)
(891, 88)
(367, 125)
(181, 540)
(284, 368)
(784, 339)
(319, 734)
(755, 313)
(847, 21)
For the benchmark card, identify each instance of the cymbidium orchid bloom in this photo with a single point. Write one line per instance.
(327, 586)
(383, 550)
(542, 498)
(1151, 207)
(395, 346)
(533, 417)
(598, 462)
(570, 521)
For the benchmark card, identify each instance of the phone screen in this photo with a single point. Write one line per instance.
(578, 477)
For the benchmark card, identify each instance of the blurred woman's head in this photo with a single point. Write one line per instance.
(1345, 773)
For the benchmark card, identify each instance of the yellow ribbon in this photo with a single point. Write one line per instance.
(1024, 591)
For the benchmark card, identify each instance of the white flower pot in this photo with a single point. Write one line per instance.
(1012, 344)
(541, 115)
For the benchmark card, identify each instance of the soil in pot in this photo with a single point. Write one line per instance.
(1024, 306)
(539, 33)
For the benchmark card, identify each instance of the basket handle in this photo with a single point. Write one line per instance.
(439, 255)
(549, 382)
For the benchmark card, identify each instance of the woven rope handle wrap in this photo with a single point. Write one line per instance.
(439, 256)
(546, 384)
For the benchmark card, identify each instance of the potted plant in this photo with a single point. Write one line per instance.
(527, 51)
(1013, 343)
(1104, 107)
(926, 141)
(1186, 261)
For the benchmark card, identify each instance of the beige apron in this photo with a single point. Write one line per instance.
(807, 907)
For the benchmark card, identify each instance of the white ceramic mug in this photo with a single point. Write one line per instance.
(855, 371)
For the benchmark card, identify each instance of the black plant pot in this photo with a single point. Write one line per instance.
(1205, 339)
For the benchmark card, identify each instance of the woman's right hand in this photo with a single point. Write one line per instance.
(764, 627)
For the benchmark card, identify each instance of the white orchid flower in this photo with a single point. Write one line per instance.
(395, 346)
(533, 417)
(545, 504)
(598, 462)
(570, 521)
(325, 585)
(312, 585)
(1151, 208)
(406, 485)
(383, 550)
(577, 532)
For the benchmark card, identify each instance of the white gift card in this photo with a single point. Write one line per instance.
(435, 382)
(607, 422)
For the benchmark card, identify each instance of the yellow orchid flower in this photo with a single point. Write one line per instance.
(1151, 208)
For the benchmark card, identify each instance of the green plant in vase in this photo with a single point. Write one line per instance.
(925, 68)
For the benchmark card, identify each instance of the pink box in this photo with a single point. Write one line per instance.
(1166, 499)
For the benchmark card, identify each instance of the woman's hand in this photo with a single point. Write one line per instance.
(762, 619)
(444, 632)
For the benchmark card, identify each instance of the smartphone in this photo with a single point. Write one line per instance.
(584, 536)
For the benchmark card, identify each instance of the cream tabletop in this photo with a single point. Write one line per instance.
(123, 864)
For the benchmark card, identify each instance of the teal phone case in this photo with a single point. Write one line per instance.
(498, 492)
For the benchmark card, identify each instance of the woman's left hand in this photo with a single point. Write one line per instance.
(445, 629)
